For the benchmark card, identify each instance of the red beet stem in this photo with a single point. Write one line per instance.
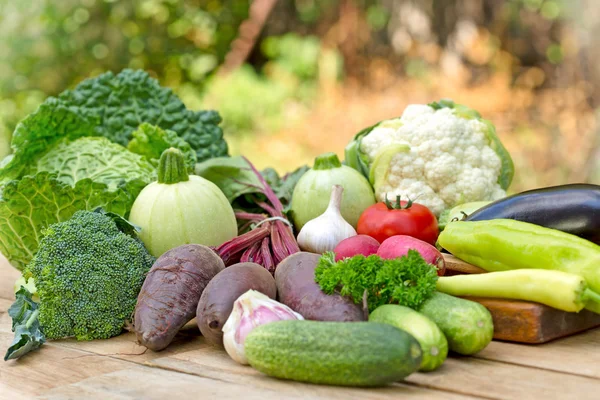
(266, 188)
(265, 251)
(249, 216)
(251, 253)
(239, 243)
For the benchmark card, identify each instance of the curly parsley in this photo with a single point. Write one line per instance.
(407, 281)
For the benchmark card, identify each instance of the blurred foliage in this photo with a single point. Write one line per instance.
(323, 69)
(281, 91)
(50, 45)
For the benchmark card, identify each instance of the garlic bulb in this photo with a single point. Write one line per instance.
(328, 229)
(249, 311)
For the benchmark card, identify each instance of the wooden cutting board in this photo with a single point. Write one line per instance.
(523, 321)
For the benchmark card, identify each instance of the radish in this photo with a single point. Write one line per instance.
(398, 246)
(359, 244)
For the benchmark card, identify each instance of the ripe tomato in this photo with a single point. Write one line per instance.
(386, 219)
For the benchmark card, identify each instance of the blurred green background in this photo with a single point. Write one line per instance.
(296, 78)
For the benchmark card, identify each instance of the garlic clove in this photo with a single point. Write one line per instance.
(249, 311)
(323, 233)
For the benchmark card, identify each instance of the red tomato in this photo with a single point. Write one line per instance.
(383, 220)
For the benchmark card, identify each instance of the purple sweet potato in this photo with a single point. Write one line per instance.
(297, 289)
(171, 292)
(217, 299)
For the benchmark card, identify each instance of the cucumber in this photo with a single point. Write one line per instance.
(433, 342)
(467, 325)
(333, 353)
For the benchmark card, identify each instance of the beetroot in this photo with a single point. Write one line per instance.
(359, 244)
(398, 246)
(171, 291)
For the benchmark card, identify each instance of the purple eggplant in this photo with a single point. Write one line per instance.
(572, 208)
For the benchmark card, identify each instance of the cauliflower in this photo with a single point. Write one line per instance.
(441, 155)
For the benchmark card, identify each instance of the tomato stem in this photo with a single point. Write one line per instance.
(398, 204)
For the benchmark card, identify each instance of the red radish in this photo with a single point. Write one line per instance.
(398, 246)
(359, 244)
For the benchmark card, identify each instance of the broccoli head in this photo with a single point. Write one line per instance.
(88, 272)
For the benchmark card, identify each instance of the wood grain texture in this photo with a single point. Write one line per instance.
(577, 355)
(8, 276)
(141, 382)
(49, 367)
(456, 266)
(215, 364)
(526, 322)
(498, 380)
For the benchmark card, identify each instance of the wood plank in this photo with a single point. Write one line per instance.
(7, 392)
(456, 266)
(51, 366)
(5, 320)
(213, 363)
(527, 322)
(577, 354)
(141, 382)
(125, 346)
(8, 276)
(497, 380)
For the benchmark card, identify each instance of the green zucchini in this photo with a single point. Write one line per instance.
(466, 324)
(333, 353)
(433, 342)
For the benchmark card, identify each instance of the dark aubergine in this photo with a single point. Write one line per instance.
(573, 208)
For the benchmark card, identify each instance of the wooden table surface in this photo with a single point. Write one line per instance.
(120, 369)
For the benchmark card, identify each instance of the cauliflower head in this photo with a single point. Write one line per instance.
(440, 155)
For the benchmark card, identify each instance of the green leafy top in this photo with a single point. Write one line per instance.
(240, 185)
(112, 106)
(151, 141)
(407, 281)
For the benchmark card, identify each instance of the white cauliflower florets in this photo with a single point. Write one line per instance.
(450, 160)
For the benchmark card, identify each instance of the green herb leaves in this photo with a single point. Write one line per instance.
(407, 281)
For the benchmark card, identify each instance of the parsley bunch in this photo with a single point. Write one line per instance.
(407, 281)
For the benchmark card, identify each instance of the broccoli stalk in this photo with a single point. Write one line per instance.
(88, 272)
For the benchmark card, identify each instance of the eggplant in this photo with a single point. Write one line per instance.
(572, 208)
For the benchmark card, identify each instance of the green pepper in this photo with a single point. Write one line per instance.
(503, 244)
(561, 290)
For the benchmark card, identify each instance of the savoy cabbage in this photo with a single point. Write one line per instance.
(94, 146)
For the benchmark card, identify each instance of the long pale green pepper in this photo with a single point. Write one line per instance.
(503, 244)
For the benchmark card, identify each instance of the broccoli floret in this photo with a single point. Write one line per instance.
(88, 274)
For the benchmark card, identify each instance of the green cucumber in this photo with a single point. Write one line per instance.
(333, 353)
(433, 342)
(467, 325)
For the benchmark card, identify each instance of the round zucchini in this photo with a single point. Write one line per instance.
(468, 325)
(433, 342)
(333, 353)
